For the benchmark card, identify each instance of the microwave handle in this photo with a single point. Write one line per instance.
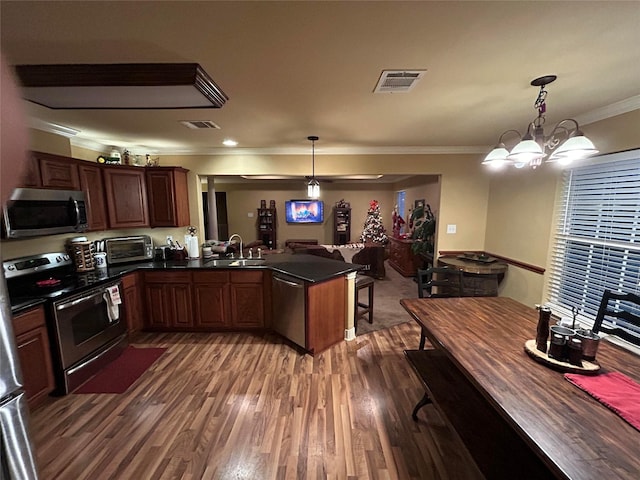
(77, 210)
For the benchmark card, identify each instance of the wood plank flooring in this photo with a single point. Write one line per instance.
(245, 406)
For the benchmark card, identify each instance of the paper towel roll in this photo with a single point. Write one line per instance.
(193, 246)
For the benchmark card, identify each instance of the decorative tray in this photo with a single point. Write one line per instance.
(588, 368)
(477, 258)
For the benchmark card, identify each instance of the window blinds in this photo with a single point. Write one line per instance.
(597, 241)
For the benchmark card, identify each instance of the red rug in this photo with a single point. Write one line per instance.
(120, 374)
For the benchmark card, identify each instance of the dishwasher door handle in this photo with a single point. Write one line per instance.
(287, 282)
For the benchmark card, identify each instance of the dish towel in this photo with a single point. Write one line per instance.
(112, 299)
(614, 390)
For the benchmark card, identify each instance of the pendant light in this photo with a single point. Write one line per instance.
(565, 143)
(313, 187)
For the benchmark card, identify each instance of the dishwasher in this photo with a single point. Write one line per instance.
(289, 308)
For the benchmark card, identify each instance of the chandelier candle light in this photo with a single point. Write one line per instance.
(565, 143)
(313, 187)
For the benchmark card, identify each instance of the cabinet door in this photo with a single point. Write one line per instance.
(34, 354)
(126, 197)
(31, 173)
(247, 299)
(132, 303)
(168, 197)
(35, 361)
(212, 305)
(93, 187)
(58, 172)
(157, 314)
(179, 296)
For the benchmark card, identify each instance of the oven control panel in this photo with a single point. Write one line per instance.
(35, 263)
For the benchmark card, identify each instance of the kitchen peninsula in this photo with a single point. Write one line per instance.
(208, 295)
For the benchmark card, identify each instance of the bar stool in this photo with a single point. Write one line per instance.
(368, 283)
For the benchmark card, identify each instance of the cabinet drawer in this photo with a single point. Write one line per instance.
(218, 276)
(166, 276)
(246, 276)
(28, 320)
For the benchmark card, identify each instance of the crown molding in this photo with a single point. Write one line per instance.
(608, 111)
(618, 108)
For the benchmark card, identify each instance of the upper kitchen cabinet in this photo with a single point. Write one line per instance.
(126, 194)
(92, 185)
(168, 196)
(51, 171)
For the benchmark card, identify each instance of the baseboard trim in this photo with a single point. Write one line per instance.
(349, 334)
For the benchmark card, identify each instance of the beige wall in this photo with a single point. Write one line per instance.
(509, 214)
(521, 210)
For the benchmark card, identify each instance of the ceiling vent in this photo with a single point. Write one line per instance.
(398, 81)
(200, 124)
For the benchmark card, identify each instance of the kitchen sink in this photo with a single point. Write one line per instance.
(235, 262)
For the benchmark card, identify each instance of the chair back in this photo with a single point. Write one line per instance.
(619, 314)
(447, 280)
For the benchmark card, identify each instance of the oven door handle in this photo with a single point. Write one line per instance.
(73, 303)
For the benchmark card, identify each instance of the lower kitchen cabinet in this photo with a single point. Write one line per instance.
(32, 341)
(206, 300)
(168, 298)
(211, 299)
(247, 294)
(132, 303)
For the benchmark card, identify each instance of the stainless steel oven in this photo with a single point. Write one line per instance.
(89, 331)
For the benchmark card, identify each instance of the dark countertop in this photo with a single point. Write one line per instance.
(309, 268)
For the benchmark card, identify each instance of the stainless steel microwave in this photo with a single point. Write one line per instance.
(128, 249)
(32, 212)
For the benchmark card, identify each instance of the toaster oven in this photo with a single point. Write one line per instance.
(128, 249)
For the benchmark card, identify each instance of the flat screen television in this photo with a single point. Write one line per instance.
(304, 211)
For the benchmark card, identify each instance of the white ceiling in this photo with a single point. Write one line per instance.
(294, 69)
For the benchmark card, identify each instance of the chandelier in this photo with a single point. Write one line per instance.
(565, 143)
(313, 187)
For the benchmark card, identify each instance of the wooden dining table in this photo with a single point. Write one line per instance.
(566, 432)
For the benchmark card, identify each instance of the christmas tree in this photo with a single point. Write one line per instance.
(373, 229)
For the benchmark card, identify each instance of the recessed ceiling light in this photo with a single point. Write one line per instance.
(229, 142)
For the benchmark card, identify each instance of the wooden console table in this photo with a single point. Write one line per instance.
(478, 279)
(402, 259)
(518, 418)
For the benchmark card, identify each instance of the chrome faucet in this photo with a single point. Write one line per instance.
(241, 244)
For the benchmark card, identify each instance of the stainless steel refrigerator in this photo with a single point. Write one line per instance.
(16, 453)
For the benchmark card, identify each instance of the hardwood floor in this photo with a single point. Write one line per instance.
(243, 406)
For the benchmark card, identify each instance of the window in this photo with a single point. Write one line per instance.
(597, 241)
(400, 200)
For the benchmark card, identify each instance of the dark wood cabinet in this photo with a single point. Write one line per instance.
(402, 259)
(341, 225)
(267, 227)
(211, 299)
(34, 353)
(92, 184)
(325, 312)
(126, 194)
(168, 196)
(31, 173)
(58, 172)
(132, 303)
(205, 300)
(168, 300)
(247, 299)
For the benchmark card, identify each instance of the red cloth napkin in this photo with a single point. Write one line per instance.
(614, 390)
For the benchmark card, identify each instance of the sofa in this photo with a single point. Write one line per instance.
(371, 255)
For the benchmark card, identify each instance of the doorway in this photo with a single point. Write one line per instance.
(221, 209)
